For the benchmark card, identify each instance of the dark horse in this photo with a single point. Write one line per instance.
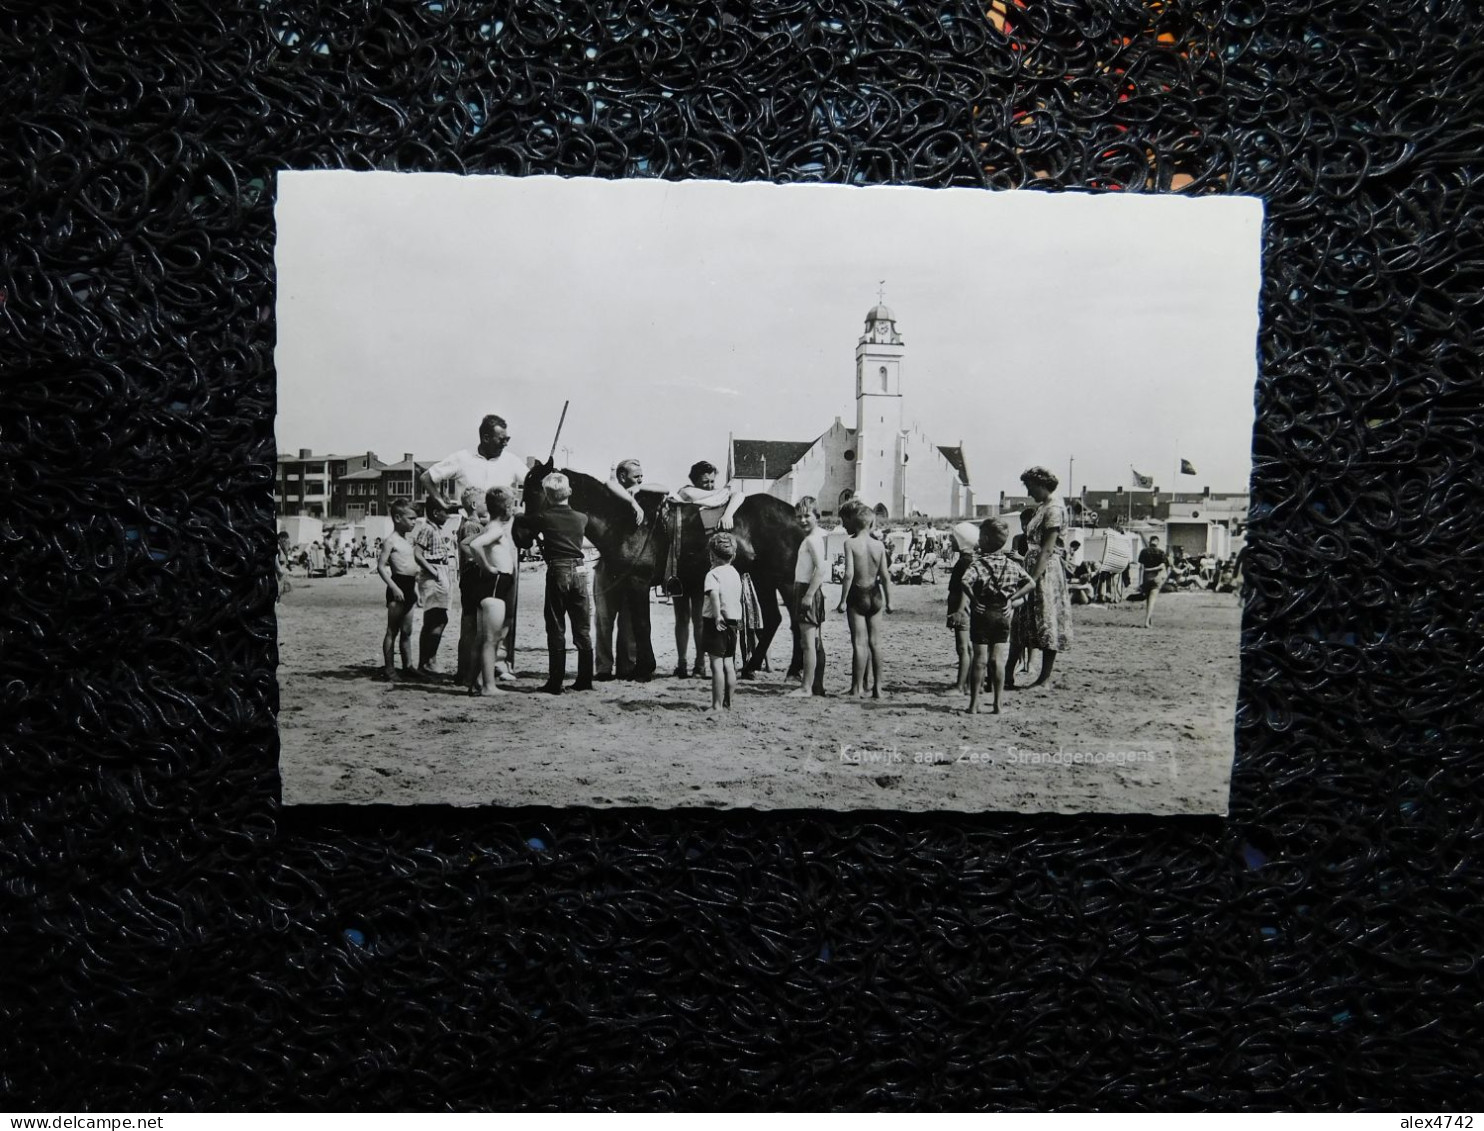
(768, 538)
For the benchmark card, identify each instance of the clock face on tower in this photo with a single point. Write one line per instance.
(881, 331)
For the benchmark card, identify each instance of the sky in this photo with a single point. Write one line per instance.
(1115, 331)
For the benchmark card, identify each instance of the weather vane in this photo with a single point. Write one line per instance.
(881, 292)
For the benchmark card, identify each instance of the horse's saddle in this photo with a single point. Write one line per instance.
(693, 552)
(710, 516)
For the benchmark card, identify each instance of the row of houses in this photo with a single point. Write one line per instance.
(1123, 507)
(345, 487)
(1198, 522)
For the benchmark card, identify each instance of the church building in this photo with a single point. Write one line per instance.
(894, 469)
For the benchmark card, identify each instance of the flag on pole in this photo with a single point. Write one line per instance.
(1144, 481)
(1186, 467)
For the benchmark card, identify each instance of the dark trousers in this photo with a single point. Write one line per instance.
(622, 603)
(566, 595)
(611, 617)
(636, 611)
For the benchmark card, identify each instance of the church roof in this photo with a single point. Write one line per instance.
(955, 456)
(881, 313)
(766, 459)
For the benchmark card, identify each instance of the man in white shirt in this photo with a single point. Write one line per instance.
(492, 464)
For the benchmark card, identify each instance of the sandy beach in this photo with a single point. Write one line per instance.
(1134, 720)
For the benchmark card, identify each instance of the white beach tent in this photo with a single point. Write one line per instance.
(834, 544)
(302, 529)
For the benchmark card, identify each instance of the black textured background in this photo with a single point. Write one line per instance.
(173, 939)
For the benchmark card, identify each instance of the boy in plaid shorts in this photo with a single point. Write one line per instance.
(434, 551)
(992, 585)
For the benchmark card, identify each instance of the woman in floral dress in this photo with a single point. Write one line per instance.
(1045, 621)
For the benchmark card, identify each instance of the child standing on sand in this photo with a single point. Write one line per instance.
(809, 576)
(493, 567)
(398, 568)
(561, 530)
(992, 585)
(966, 540)
(723, 615)
(864, 593)
(471, 525)
(434, 553)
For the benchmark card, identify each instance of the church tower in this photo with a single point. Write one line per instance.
(878, 411)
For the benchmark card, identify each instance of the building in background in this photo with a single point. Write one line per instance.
(330, 487)
(1203, 522)
(312, 486)
(1121, 505)
(302, 485)
(892, 468)
(1229, 508)
(1009, 505)
(341, 469)
(372, 490)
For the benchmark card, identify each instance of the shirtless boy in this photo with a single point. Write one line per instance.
(809, 579)
(864, 593)
(493, 563)
(398, 569)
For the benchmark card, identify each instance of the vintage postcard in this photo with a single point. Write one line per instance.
(699, 494)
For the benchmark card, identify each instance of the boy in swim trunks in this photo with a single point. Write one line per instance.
(397, 566)
(992, 586)
(809, 578)
(434, 552)
(864, 593)
(493, 566)
(723, 613)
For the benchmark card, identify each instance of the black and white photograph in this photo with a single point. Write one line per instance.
(704, 494)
